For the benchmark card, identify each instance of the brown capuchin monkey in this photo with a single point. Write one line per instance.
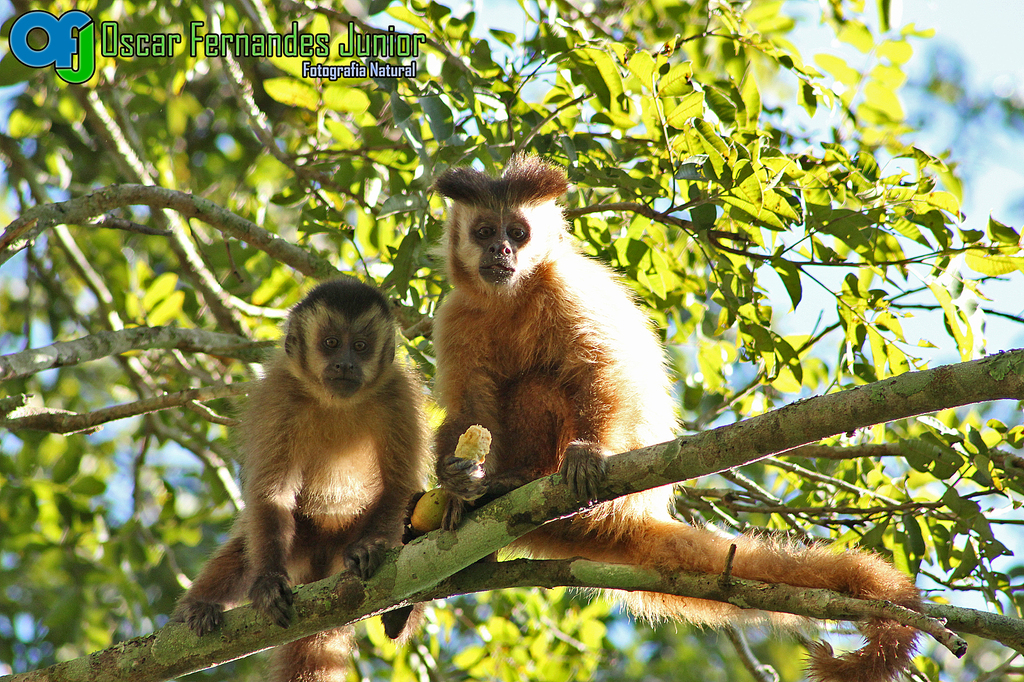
(334, 446)
(545, 347)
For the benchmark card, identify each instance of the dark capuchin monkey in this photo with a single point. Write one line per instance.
(545, 347)
(334, 446)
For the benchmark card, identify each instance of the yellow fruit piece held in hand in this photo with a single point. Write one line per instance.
(474, 444)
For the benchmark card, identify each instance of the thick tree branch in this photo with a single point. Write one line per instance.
(426, 567)
(103, 344)
(341, 599)
(84, 210)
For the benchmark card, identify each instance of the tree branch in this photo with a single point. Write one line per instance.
(62, 421)
(103, 344)
(427, 567)
(84, 210)
(341, 599)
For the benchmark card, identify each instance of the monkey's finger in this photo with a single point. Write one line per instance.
(364, 560)
(272, 595)
(453, 514)
(456, 463)
(202, 617)
(583, 471)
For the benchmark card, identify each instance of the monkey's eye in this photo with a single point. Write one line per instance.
(359, 346)
(517, 232)
(485, 232)
(330, 342)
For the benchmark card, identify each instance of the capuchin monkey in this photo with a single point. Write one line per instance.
(334, 445)
(545, 347)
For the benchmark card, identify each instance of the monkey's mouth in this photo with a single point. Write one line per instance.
(342, 386)
(496, 273)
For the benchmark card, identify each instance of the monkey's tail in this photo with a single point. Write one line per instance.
(666, 543)
(323, 657)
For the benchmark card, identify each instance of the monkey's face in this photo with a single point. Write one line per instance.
(499, 239)
(502, 248)
(342, 355)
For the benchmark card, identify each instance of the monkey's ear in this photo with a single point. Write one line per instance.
(464, 185)
(389, 348)
(291, 344)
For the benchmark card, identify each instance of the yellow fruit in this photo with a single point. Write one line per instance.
(429, 510)
(474, 444)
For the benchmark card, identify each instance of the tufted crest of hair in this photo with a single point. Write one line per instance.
(348, 296)
(527, 181)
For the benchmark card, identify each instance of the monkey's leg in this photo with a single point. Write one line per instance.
(271, 529)
(322, 657)
(220, 585)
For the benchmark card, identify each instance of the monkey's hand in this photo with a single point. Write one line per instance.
(201, 617)
(584, 468)
(363, 556)
(271, 595)
(462, 477)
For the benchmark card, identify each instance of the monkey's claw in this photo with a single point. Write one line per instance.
(583, 469)
(463, 478)
(272, 596)
(363, 558)
(202, 617)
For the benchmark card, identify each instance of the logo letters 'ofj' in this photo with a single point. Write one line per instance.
(61, 44)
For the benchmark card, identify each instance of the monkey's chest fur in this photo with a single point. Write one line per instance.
(340, 483)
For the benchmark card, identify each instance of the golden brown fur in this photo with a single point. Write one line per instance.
(334, 444)
(545, 347)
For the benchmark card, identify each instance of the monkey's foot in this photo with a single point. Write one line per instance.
(584, 468)
(462, 477)
(271, 595)
(202, 617)
(363, 557)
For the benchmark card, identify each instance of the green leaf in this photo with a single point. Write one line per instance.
(807, 98)
(343, 98)
(882, 99)
(790, 276)
(293, 93)
(992, 264)
(88, 485)
(968, 562)
(677, 81)
(159, 289)
(715, 147)
(439, 117)
(692, 168)
(856, 34)
(751, 99)
(838, 68)
(884, 22)
(168, 309)
(642, 65)
(1002, 233)
(401, 112)
(691, 106)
